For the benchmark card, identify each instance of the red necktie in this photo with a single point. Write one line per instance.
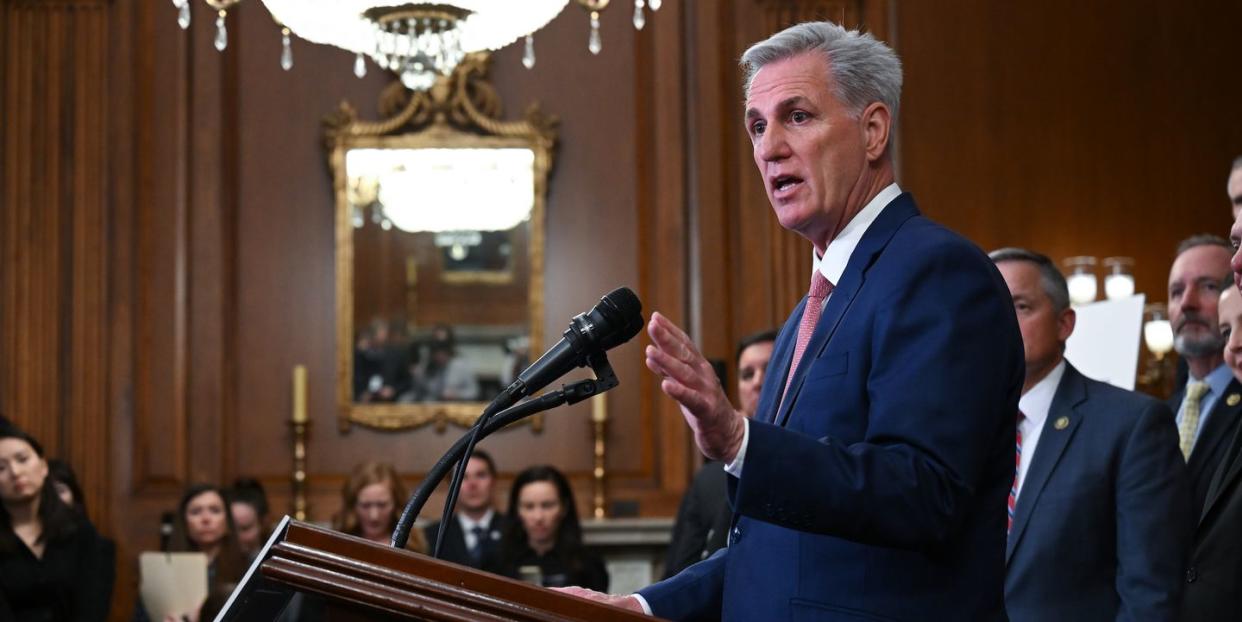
(1017, 463)
(820, 288)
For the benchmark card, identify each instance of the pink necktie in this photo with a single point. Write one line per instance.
(820, 288)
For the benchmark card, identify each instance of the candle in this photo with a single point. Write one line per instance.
(599, 408)
(299, 394)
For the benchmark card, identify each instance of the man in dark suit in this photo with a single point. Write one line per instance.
(1213, 591)
(703, 519)
(1209, 404)
(871, 482)
(1102, 515)
(473, 537)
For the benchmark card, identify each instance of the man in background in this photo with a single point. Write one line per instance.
(1101, 510)
(473, 536)
(1213, 571)
(1209, 404)
(702, 524)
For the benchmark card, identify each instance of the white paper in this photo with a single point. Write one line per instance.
(172, 583)
(1105, 342)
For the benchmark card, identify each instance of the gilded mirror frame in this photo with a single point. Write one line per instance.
(460, 111)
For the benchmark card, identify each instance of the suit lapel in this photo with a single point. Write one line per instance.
(873, 241)
(1222, 414)
(778, 367)
(1214, 431)
(1063, 419)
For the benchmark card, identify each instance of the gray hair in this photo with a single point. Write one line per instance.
(1049, 276)
(1237, 164)
(863, 70)
(1203, 239)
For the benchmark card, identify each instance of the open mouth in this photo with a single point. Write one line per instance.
(784, 184)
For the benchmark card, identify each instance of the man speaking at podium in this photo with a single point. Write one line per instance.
(872, 482)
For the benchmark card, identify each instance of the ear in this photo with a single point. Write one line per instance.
(876, 123)
(1065, 324)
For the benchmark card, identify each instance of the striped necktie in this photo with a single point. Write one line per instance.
(820, 288)
(1017, 464)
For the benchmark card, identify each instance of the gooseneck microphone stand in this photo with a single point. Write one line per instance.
(489, 422)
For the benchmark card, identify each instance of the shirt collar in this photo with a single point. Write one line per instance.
(467, 524)
(1036, 403)
(837, 255)
(1217, 379)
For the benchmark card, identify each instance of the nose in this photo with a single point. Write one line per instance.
(1190, 298)
(771, 146)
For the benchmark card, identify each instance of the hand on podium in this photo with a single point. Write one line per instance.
(629, 603)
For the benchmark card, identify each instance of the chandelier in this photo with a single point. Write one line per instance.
(418, 40)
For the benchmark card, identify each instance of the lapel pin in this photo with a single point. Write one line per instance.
(1233, 399)
(1061, 423)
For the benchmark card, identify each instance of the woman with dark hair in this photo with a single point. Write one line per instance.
(543, 540)
(205, 525)
(50, 562)
(369, 505)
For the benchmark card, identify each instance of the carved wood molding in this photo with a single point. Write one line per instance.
(465, 100)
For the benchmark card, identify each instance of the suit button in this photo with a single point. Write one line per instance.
(1192, 575)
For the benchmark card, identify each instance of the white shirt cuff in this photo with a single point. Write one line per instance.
(642, 602)
(735, 468)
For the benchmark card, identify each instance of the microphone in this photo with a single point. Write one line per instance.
(166, 530)
(612, 322)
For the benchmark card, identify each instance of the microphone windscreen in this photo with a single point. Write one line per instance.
(625, 313)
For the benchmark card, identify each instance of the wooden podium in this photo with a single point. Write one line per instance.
(354, 579)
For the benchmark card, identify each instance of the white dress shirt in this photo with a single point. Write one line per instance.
(832, 265)
(1035, 404)
(468, 524)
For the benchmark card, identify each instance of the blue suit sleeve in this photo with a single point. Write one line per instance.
(942, 368)
(694, 594)
(1154, 519)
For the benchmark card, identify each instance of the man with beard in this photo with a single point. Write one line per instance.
(1212, 569)
(1209, 403)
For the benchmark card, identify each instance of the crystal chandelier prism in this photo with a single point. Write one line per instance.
(420, 41)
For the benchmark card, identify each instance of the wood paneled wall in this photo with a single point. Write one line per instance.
(167, 224)
(55, 232)
(1100, 128)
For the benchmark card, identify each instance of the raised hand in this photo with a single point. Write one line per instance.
(688, 378)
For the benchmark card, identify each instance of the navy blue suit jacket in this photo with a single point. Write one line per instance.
(877, 489)
(1103, 521)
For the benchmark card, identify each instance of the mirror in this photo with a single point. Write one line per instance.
(439, 251)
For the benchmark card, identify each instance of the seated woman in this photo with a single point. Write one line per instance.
(370, 505)
(50, 562)
(544, 544)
